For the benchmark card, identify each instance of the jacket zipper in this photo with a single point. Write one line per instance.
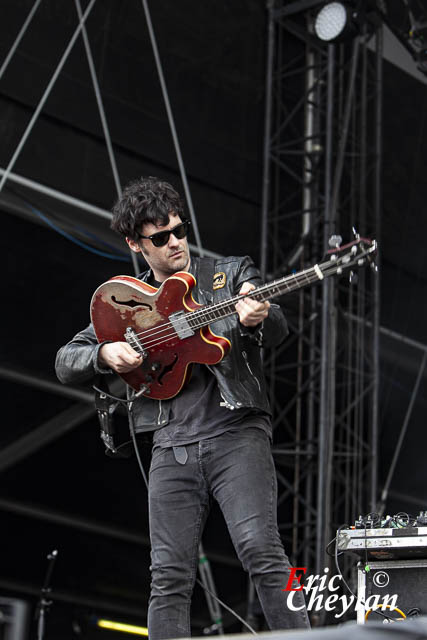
(225, 403)
(245, 355)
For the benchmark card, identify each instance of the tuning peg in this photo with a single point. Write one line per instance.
(356, 235)
(353, 278)
(335, 241)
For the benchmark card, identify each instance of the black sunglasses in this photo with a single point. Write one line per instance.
(162, 237)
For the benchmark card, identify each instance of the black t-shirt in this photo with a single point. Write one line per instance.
(198, 411)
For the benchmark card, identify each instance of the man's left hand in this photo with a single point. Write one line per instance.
(251, 312)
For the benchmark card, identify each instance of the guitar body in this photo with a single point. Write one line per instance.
(124, 303)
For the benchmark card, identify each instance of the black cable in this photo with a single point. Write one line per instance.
(366, 550)
(129, 406)
(332, 555)
(110, 395)
(403, 519)
(131, 397)
(343, 526)
(377, 611)
(374, 517)
(227, 607)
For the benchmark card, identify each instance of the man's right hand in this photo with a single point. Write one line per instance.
(119, 356)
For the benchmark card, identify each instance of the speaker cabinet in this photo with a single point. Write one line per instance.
(405, 578)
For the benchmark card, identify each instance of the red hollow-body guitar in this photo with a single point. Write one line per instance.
(171, 330)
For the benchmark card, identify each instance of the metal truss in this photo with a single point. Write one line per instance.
(322, 155)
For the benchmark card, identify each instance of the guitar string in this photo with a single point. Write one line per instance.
(310, 275)
(297, 280)
(205, 312)
(266, 288)
(212, 309)
(209, 311)
(163, 339)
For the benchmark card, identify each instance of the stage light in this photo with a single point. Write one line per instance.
(335, 21)
(120, 626)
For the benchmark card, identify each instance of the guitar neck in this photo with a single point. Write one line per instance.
(293, 282)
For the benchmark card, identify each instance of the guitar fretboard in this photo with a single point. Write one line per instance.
(293, 282)
(352, 254)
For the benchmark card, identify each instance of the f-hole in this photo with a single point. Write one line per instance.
(167, 368)
(131, 303)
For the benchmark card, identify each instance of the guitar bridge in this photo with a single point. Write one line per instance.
(181, 325)
(132, 339)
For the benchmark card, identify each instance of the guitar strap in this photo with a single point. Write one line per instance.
(205, 278)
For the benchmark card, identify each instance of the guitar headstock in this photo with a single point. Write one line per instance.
(357, 253)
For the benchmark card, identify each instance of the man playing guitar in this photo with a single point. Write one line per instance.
(211, 439)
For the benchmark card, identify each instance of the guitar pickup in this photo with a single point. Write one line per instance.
(181, 325)
(132, 339)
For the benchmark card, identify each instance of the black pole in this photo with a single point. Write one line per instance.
(45, 602)
(267, 134)
(376, 315)
(324, 417)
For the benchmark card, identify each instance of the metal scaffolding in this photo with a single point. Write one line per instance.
(322, 167)
(322, 155)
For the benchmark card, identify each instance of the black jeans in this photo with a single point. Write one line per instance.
(237, 469)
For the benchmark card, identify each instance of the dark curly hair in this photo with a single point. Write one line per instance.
(145, 200)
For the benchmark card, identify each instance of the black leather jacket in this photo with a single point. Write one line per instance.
(240, 374)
